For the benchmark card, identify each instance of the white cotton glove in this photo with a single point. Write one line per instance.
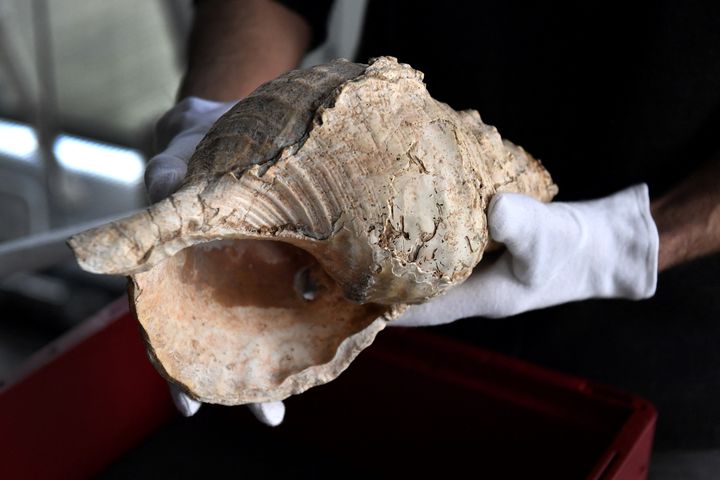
(269, 413)
(177, 134)
(556, 253)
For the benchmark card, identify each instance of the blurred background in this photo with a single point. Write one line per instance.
(81, 87)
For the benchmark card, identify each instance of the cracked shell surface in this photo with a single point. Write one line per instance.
(347, 177)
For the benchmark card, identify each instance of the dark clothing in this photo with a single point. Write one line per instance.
(607, 94)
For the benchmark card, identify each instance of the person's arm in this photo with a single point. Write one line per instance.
(236, 45)
(688, 218)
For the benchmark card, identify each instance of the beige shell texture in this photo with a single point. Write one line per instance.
(313, 212)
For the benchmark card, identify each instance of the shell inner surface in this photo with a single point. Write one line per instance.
(242, 314)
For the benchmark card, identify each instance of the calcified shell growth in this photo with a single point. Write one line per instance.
(312, 213)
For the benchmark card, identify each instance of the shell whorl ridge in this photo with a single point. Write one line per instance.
(356, 162)
(356, 166)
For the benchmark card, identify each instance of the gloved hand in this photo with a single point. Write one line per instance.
(555, 253)
(177, 134)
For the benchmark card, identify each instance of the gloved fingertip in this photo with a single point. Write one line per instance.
(159, 189)
(499, 217)
(271, 414)
(189, 406)
(163, 175)
(186, 405)
(509, 215)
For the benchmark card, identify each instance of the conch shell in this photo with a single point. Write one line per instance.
(312, 213)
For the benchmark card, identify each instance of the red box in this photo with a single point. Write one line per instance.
(413, 404)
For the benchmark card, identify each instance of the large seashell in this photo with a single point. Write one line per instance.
(312, 213)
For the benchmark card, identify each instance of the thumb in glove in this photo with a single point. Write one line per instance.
(177, 134)
(268, 413)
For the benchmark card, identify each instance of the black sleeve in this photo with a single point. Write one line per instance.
(316, 13)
